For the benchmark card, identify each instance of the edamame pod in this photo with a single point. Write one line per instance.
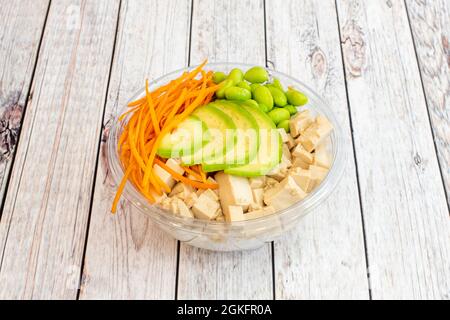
(285, 125)
(245, 85)
(263, 95)
(263, 107)
(252, 103)
(279, 98)
(277, 84)
(236, 93)
(253, 87)
(296, 98)
(223, 86)
(219, 76)
(292, 110)
(256, 75)
(279, 114)
(236, 75)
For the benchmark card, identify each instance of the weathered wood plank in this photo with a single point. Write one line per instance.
(238, 35)
(405, 212)
(323, 258)
(127, 257)
(21, 27)
(430, 24)
(43, 229)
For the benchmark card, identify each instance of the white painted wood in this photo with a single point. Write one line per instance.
(21, 26)
(226, 31)
(127, 257)
(43, 229)
(323, 258)
(406, 217)
(430, 24)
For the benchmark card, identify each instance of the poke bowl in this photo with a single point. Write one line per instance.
(230, 234)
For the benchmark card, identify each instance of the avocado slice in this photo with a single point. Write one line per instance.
(247, 138)
(190, 135)
(218, 122)
(270, 147)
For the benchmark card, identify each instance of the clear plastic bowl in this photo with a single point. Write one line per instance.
(242, 235)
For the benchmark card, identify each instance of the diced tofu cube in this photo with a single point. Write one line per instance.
(165, 177)
(284, 135)
(258, 196)
(191, 199)
(324, 126)
(158, 198)
(316, 133)
(233, 191)
(181, 190)
(205, 208)
(305, 156)
(281, 170)
(287, 152)
(183, 210)
(257, 182)
(211, 180)
(210, 193)
(166, 204)
(317, 174)
(291, 143)
(175, 166)
(322, 157)
(270, 183)
(299, 123)
(220, 218)
(259, 213)
(191, 177)
(303, 178)
(299, 163)
(234, 213)
(309, 140)
(284, 195)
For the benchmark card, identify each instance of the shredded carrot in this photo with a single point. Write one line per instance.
(179, 177)
(146, 122)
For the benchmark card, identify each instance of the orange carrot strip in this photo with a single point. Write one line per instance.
(120, 189)
(152, 108)
(179, 177)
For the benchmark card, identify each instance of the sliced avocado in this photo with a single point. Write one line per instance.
(187, 137)
(247, 138)
(270, 147)
(218, 122)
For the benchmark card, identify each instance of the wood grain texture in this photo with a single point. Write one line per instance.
(406, 217)
(21, 27)
(238, 35)
(323, 258)
(44, 221)
(430, 24)
(127, 256)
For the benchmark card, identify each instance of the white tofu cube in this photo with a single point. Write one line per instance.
(181, 190)
(265, 211)
(165, 177)
(317, 174)
(291, 143)
(299, 163)
(191, 199)
(322, 157)
(183, 210)
(305, 156)
(205, 208)
(257, 182)
(211, 180)
(284, 194)
(258, 197)
(220, 218)
(281, 170)
(324, 126)
(299, 123)
(287, 152)
(303, 178)
(234, 213)
(233, 191)
(210, 193)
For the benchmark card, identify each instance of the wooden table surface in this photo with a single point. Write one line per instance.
(66, 69)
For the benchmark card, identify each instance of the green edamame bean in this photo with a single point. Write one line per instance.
(236, 75)
(256, 75)
(223, 86)
(252, 103)
(279, 114)
(245, 85)
(219, 76)
(236, 93)
(263, 95)
(279, 98)
(277, 84)
(292, 110)
(263, 107)
(285, 125)
(253, 87)
(296, 98)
